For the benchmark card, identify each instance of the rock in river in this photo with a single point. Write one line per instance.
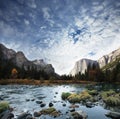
(89, 104)
(79, 115)
(25, 116)
(113, 115)
(50, 104)
(42, 105)
(39, 102)
(6, 115)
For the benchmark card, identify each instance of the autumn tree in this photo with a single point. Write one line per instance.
(14, 73)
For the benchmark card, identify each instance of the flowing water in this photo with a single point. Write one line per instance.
(23, 98)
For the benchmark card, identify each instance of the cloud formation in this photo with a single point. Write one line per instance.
(61, 31)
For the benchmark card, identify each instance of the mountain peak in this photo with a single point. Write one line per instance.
(19, 59)
(81, 65)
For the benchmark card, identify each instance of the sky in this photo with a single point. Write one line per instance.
(60, 31)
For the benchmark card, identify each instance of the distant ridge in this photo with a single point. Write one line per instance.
(20, 60)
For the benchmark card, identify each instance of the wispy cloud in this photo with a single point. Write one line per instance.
(61, 32)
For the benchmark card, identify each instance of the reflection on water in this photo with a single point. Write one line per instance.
(23, 98)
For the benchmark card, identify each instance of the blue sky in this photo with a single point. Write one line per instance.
(60, 31)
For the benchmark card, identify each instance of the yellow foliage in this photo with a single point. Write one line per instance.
(14, 73)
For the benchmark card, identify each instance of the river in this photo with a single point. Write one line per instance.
(23, 98)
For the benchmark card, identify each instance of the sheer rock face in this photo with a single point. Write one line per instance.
(19, 59)
(81, 65)
(7, 53)
(109, 58)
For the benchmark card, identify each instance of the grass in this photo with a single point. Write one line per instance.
(76, 98)
(93, 92)
(65, 95)
(4, 106)
(106, 94)
(111, 98)
(50, 111)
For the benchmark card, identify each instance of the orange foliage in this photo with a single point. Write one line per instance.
(14, 73)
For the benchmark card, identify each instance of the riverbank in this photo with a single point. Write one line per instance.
(42, 82)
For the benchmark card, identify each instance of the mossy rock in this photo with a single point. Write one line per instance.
(50, 111)
(4, 106)
(76, 98)
(112, 101)
(111, 98)
(106, 94)
(65, 95)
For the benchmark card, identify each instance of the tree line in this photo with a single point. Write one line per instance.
(94, 73)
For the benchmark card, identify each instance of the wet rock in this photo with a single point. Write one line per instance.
(1, 98)
(29, 117)
(27, 100)
(25, 116)
(74, 106)
(64, 105)
(113, 115)
(89, 104)
(67, 112)
(50, 104)
(56, 92)
(32, 99)
(54, 101)
(6, 115)
(79, 115)
(39, 102)
(41, 97)
(37, 114)
(72, 110)
(43, 105)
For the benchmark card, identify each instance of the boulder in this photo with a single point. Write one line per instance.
(89, 104)
(79, 115)
(113, 115)
(6, 115)
(37, 114)
(25, 116)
